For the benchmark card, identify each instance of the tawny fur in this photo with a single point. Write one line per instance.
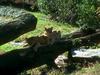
(48, 37)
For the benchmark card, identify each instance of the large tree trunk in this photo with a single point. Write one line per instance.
(17, 61)
(15, 22)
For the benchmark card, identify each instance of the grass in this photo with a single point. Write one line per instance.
(65, 28)
(94, 70)
(91, 70)
(43, 21)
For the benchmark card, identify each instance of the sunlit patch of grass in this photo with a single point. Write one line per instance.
(43, 22)
(8, 47)
(55, 72)
(94, 70)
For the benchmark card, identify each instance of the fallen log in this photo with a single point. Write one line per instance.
(19, 60)
(79, 39)
(16, 61)
(90, 39)
(14, 22)
(79, 33)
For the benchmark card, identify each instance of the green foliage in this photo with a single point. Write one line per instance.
(86, 13)
(58, 9)
(79, 12)
(42, 5)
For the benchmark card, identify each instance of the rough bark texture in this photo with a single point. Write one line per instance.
(17, 61)
(14, 22)
(79, 33)
(90, 39)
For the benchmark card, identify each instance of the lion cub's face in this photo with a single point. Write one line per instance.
(47, 32)
(52, 35)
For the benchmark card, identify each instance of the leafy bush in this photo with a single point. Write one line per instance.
(42, 6)
(86, 13)
(80, 12)
(58, 9)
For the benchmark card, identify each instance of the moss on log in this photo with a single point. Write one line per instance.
(15, 22)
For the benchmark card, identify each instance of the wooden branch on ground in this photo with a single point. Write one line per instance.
(93, 38)
(78, 34)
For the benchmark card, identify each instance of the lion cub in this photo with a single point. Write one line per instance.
(48, 37)
(52, 35)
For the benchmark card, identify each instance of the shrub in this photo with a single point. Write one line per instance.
(42, 5)
(86, 13)
(80, 12)
(58, 9)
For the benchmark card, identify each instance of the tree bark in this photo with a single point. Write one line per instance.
(16, 61)
(79, 33)
(90, 39)
(19, 60)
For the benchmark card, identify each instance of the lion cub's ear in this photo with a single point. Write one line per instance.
(49, 29)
